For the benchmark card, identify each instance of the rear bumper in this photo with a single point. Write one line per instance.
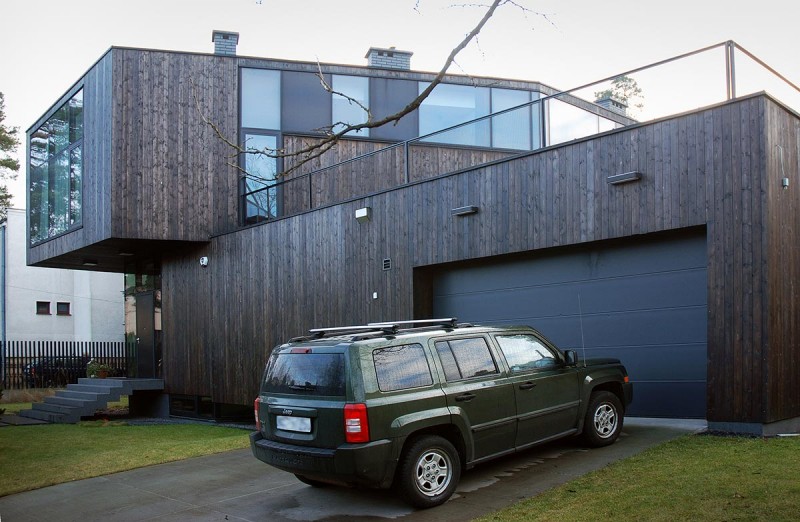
(369, 464)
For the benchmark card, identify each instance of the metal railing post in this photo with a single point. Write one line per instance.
(730, 70)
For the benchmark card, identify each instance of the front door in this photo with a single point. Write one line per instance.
(145, 335)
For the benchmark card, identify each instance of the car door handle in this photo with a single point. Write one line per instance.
(465, 397)
(527, 385)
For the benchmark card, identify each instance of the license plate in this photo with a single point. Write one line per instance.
(301, 424)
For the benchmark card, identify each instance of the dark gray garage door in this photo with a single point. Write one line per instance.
(643, 302)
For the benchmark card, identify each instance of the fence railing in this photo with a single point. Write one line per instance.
(50, 364)
(682, 83)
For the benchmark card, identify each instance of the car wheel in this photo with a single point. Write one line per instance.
(429, 472)
(603, 422)
(311, 482)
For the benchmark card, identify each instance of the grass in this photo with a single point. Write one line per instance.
(691, 478)
(32, 457)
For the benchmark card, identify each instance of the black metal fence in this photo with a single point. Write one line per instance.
(46, 364)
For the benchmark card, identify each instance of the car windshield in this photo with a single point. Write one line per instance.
(305, 373)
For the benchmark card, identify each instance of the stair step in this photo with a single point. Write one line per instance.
(54, 408)
(96, 389)
(106, 383)
(67, 401)
(47, 416)
(71, 394)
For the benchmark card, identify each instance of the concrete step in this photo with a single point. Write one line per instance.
(67, 401)
(87, 396)
(102, 390)
(46, 416)
(54, 408)
(106, 383)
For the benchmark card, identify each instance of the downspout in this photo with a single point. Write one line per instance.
(3, 247)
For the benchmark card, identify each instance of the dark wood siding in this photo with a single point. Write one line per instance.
(781, 311)
(171, 177)
(706, 168)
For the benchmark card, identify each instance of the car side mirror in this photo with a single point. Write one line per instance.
(571, 357)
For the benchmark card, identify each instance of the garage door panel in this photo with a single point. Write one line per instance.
(644, 303)
(669, 399)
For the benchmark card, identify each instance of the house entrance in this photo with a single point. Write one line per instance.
(143, 325)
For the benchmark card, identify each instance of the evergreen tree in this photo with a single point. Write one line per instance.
(9, 166)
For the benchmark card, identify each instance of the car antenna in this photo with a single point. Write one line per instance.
(580, 316)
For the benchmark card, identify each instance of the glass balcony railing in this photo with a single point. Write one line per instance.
(683, 83)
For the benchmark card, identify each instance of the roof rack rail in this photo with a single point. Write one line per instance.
(339, 330)
(448, 322)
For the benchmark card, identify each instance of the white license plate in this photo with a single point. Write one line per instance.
(301, 424)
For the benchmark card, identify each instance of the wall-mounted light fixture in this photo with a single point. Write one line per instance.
(90, 262)
(363, 214)
(204, 261)
(464, 211)
(626, 177)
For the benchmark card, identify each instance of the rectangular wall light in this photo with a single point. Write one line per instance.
(464, 211)
(627, 177)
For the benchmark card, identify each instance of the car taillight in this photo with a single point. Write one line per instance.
(356, 426)
(256, 405)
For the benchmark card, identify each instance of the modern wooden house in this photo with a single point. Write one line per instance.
(671, 244)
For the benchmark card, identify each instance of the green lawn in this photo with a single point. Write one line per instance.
(691, 478)
(36, 456)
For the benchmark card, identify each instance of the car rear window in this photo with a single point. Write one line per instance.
(306, 374)
(401, 367)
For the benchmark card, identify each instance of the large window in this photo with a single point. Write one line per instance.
(449, 105)
(346, 110)
(261, 99)
(56, 170)
(401, 367)
(259, 190)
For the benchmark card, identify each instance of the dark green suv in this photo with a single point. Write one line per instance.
(410, 404)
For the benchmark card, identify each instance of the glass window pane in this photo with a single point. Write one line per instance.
(76, 117)
(526, 352)
(451, 372)
(308, 374)
(401, 367)
(536, 122)
(261, 99)
(473, 357)
(57, 127)
(343, 109)
(59, 194)
(261, 200)
(75, 186)
(568, 122)
(511, 130)
(450, 105)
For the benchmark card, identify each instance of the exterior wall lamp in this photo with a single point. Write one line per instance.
(364, 215)
(464, 211)
(627, 177)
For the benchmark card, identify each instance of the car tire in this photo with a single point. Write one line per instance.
(310, 482)
(428, 472)
(604, 417)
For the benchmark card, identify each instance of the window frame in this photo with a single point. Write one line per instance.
(408, 345)
(558, 355)
(492, 355)
(68, 308)
(39, 308)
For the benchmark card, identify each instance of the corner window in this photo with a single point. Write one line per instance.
(62, 309)
(42, 307)
(346, 111)
(526, 352)
(56, 169)
(401, 367)
(261, 99)
(466, 358)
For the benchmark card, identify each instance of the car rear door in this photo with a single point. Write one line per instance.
(478, 392)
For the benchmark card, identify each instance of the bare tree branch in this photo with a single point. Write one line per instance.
(334, 133)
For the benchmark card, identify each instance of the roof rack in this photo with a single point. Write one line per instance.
(382, 328)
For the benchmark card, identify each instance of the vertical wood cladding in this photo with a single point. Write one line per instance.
(171, 178)
(716, 168)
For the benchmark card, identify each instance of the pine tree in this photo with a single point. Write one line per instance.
(9, 166)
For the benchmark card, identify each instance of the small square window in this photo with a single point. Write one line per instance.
(42, 307)
(62, 308)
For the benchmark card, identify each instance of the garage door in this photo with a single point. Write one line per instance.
(643, 302)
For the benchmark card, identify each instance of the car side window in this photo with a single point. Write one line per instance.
(401, 367)
(526, 352)
(465, 358)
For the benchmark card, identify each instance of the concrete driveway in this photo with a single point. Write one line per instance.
(235, 486)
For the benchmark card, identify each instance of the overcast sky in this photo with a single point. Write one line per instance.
(46, 45)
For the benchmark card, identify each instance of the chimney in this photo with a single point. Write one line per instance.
(225, 42)
(613, 104)
(389, 58)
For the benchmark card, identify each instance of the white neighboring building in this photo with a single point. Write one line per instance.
(53, 304)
